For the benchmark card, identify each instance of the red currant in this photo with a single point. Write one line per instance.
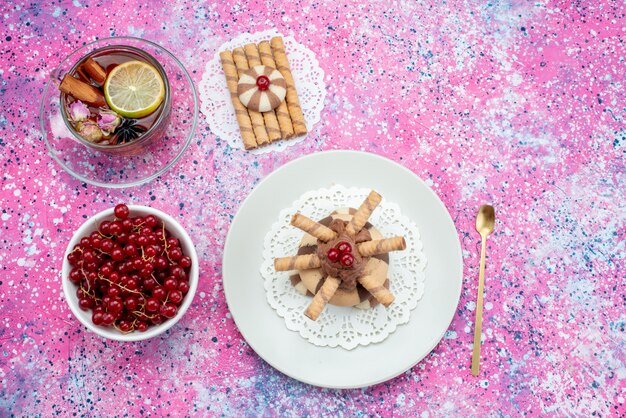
(121, 211)
(125, 326)
(107, 245)
(171, 283)
(183, 287)
(175, 296)
(178, 272)
(152, 305)
(76, 275)
(127, 225)
(333, 255)
(151, 221)
(131, 284)
(114, 277)
(97, 317)
(104, 227)
(344, 247)
(149, 283)
(115, 228)
(117, 253)
(263, 82)
(137, 263)
(176, 254)
(168, 310)
(142, 240)
(150, 251)
(130, 250)
(114, 291)
(72, 258)
(85, 303)
(152, 239)
(131, 303)
(132, 238)
(115, 305)
(185, 261)
(122, 238)
(89, 256)
(161, 263)
(347, 259)
(159, 292)
(108, 318)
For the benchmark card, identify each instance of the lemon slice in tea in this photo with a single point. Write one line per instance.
(134, 89)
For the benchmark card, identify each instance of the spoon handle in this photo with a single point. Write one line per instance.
(478, 326)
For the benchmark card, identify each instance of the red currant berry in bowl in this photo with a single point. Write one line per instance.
(119, 277)
(121, 211)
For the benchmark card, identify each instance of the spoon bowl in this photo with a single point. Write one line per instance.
(485, 220)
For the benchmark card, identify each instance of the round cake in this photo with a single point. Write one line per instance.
(350, 292)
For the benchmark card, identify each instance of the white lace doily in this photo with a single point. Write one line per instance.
(216, 104)
(340, 326)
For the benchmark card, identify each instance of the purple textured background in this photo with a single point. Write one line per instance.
(516, 103)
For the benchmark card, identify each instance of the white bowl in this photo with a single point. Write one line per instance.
(69, 288)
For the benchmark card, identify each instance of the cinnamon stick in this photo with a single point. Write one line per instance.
(82, 91)
(82, 75)
(95, 70)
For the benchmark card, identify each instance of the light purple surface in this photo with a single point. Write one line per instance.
(518, 104)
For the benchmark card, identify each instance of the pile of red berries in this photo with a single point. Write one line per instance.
(342, 253)
(131, 272)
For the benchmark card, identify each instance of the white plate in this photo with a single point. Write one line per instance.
(286, 350)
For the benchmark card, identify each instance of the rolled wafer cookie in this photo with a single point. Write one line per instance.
(271, 120)
(380, 292)
(282, 112)
(262, 99)
(243, 119)
(363, 213)
(299, 262)
(322, 297)
(293, 103)
(309, 226)
(258, 123)
(381, 246)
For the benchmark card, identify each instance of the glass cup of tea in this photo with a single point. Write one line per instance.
(91, 115)
(118, 112)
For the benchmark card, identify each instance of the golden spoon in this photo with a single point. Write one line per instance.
(484, 225)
